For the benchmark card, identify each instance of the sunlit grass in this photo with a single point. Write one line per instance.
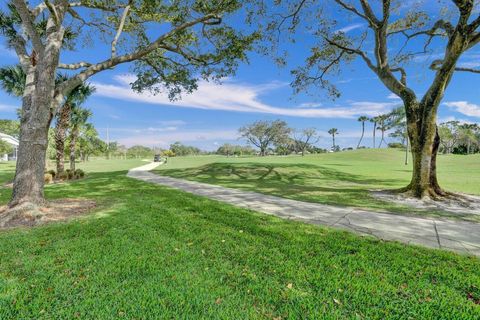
(342, 179)
(152, 252)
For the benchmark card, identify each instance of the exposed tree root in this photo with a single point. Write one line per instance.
(28, 211)
(433, 199)
(29, 214)
(433, 192)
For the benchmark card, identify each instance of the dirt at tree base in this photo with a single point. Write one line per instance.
(53, 211)
(459, 203)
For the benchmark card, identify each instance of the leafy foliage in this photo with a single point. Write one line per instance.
(262, 134)
(180, 149)
(459, 138)
(5, 148)
(10, 127)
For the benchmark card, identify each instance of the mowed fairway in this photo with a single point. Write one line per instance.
(151, 252)
(341, 179)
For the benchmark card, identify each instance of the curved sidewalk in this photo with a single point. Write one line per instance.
(452, 235)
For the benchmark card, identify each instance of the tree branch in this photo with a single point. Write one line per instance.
(355, 11)
(293, 15)
(39, 9)
(358, 52)
(53, 12)
(75, 15)
(74, 66)
(472, 70)
(119, 31)
(28, 24)
(21, 53)
(76, 80)
(403, 78)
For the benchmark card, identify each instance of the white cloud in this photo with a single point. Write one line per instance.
(8, 108)
(177, 123)
(452, 118)
(351, 27)
(463, 107)
(345, 134)
(428, 57)
(234, 96)
(163, 139)
(309, 105)
(393, 96)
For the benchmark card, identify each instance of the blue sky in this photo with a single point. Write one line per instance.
(260, 91)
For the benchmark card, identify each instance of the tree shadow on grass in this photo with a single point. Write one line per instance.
(304, 182)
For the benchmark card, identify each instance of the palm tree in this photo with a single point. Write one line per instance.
(333, 132)
(13, 82)
(383, 127)
(77, 97)
(397, 118)
(362, 119)
(78, 119)
(374, 120)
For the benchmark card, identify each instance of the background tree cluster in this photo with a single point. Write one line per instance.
(459, 138)
(276, 137)
(228, 150)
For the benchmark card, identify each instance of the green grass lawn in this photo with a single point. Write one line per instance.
(152, 252)
(342, 179)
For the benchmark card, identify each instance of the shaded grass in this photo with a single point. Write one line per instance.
(342, 179)
(154, 252)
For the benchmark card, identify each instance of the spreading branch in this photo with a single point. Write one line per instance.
(355, 11)
(357, 51)
(76, 80)
(74, 66)
(119, 31)
(28, 24)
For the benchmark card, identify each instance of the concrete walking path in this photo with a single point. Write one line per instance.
(460, 236)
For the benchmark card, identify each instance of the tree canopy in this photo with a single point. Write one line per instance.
(391, 36)
(262, 134)
(172, 44)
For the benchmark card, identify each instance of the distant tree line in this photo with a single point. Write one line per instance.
(276, 137)
(228, 150)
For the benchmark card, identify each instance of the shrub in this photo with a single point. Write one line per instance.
(69, 174)
(52, 172)
(79, 173)
(48, 178)
(396, 145)
(62, 176)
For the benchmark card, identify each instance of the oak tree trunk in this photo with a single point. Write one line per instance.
(33, 141)
(30, 169)
(425, 142)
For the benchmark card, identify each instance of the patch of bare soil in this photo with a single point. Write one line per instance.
(457, 204)
(55, 210)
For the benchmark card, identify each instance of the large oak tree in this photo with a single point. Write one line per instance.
(171, 44)
(390, 36)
